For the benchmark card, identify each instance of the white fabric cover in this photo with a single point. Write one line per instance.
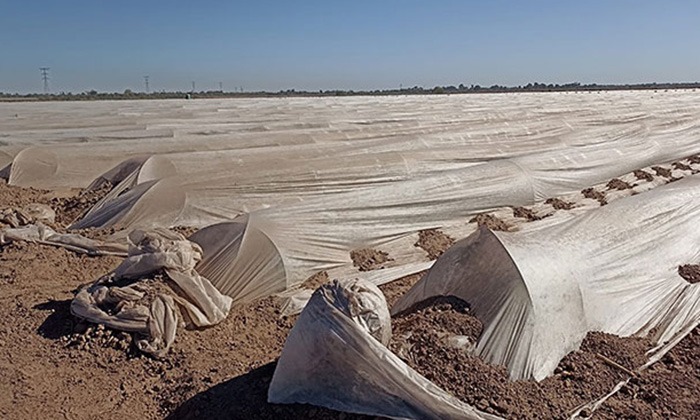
(540, 290)
(38, 233)
(104, 302)
(333, 359)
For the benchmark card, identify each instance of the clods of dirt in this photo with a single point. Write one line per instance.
(618, 184)
(435, 338)
(666, 390)
(559, 204)
(681, 166)
(694, 160)
(434, 242)
(368, 259)
(594, 194)
(525, 213)
(490, 222)
(643, 175)
(185, 231)
(71, 209)
(315, 281)
(690, 272)
(664, 172)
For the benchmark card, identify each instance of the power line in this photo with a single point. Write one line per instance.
(45, 77)
(145, 79)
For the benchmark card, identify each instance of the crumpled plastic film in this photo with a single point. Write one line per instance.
(123, 307)
(332, 359)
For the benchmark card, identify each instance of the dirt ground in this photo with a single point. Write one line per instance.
(54, 366)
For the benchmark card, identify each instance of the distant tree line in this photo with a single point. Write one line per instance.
(415, 90)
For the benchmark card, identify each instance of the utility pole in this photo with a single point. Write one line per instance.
(145, 79)
(45, 77)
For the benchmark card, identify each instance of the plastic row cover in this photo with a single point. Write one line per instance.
(318, 234)
(334, 357)
(539, 291)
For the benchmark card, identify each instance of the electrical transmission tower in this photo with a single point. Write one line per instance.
(221, 86)
(45, 77)
(145, 79)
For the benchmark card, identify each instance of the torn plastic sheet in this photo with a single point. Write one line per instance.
(116, 300)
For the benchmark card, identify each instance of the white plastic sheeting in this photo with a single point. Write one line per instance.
(318, 234)
(332, 358)
(41, 234)
(120, 306)
(69, 144)
(537, 291)
(540, 290)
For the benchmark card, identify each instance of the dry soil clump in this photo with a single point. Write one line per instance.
(618, 184)
(594, 194)
(559, 204)
(368, 259)
(434, 242)
(525, 213)
(690, 272)
(490, 222)
(643, 175)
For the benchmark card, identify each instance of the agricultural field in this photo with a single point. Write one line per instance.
(494, 256)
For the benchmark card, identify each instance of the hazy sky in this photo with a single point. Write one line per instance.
(350, 44)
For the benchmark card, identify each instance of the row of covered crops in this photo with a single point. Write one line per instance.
(285, 188)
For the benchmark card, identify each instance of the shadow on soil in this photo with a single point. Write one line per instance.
(59, 323)
(245, 397)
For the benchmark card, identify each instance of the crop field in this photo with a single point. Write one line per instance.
(473, 256)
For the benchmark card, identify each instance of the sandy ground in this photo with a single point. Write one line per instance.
(54, 366)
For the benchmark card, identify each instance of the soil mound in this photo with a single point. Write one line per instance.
(490, 222)
(525, 213)
(690, 272)
(643, 175)
(71, 209)
(434, 339)
(681, 166)
(368, 259)
(559, 204)
(666, 173)
(618, 184)
(595, 195)
(434, 242)
(315, 281)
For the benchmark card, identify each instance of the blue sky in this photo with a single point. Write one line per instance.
(273, 45)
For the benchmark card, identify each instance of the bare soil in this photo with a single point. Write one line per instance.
(491, 222)
(434, 242)
(681, 166)
(690, 272)
(666, 173)
(595, 195)
(666, 390)
(643, 175)
(422, 337)
(53, 365)
(368, 259)
(526, 213)
(618, 184)
(559, 204)
(315, 281)
(70, 209)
